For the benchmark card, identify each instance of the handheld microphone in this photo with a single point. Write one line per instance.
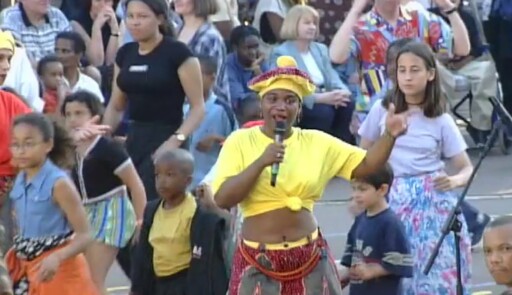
(278, 138)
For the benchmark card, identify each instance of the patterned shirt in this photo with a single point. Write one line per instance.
(39, 41)
(373, 34)
(208, 41)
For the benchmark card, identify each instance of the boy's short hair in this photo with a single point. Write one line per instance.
(382, 176)
(79, 46)
(181, 156)
(500, 221)
(41, 65)
(240, 33)
(208, 63)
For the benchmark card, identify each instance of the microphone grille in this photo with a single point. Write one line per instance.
(280, 126)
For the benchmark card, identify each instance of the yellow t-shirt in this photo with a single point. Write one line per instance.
(311, 159)
(170, 237)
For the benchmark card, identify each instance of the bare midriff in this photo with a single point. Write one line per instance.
(278, 226)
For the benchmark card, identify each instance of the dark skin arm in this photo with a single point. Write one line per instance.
(235, 189)
(376, 157)
(204, 196)
(379, 152)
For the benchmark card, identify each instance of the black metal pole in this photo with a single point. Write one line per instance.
(453, 223)
(456, 229)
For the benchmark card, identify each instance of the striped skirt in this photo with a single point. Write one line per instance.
(423, 211)
(112, 220)
(305, 269)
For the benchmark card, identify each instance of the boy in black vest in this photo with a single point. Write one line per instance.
(180, 241)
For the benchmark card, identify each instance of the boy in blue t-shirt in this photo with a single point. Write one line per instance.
(218, 122)
(377, 255)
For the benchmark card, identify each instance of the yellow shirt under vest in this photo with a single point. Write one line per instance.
(170, 237)
(311, 159)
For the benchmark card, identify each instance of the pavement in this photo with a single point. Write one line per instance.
(491, 192)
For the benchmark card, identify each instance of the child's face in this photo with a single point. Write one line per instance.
(28, 147)
(413, 75)
(208, 81)
(498, 253)
(171, 181)
(76, 114)
(365, 195)
(52, 75)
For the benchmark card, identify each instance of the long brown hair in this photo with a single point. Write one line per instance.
(434, 104)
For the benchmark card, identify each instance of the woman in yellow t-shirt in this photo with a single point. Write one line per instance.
(281, 250)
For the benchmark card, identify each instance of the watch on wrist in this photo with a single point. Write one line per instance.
(180, 136)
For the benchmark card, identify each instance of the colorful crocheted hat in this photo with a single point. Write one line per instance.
(7, 41)
(286, 76)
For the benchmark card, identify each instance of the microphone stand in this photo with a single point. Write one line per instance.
(453, 223)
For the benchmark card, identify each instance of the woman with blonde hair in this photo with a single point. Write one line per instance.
(330, 108)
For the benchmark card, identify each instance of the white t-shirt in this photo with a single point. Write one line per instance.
(88, 84)
(416, 6)
(22, 78)
(425, 3)
(313, 69)
(228, 11)
(275, 6)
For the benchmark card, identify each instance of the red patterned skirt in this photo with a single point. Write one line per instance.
(307, 269)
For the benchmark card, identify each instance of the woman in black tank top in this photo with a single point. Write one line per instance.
(153, 75)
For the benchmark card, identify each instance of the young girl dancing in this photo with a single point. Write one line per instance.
(103, 173)
(422, 193)
(53, 230)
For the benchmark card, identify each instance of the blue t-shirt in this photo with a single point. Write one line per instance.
(379, 239)
(220, 120)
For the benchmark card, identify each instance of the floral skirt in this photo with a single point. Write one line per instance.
(423, 211)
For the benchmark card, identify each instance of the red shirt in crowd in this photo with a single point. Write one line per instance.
(10, 107)
(50, 101)
(252, 124)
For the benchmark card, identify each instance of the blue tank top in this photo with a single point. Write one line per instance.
(37, 215)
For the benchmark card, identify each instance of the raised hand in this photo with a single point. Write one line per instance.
(90, 130)
(396, 124)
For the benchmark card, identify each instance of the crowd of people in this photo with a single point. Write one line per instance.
(144, 131)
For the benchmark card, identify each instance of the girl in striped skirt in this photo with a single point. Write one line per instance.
(104, 173)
